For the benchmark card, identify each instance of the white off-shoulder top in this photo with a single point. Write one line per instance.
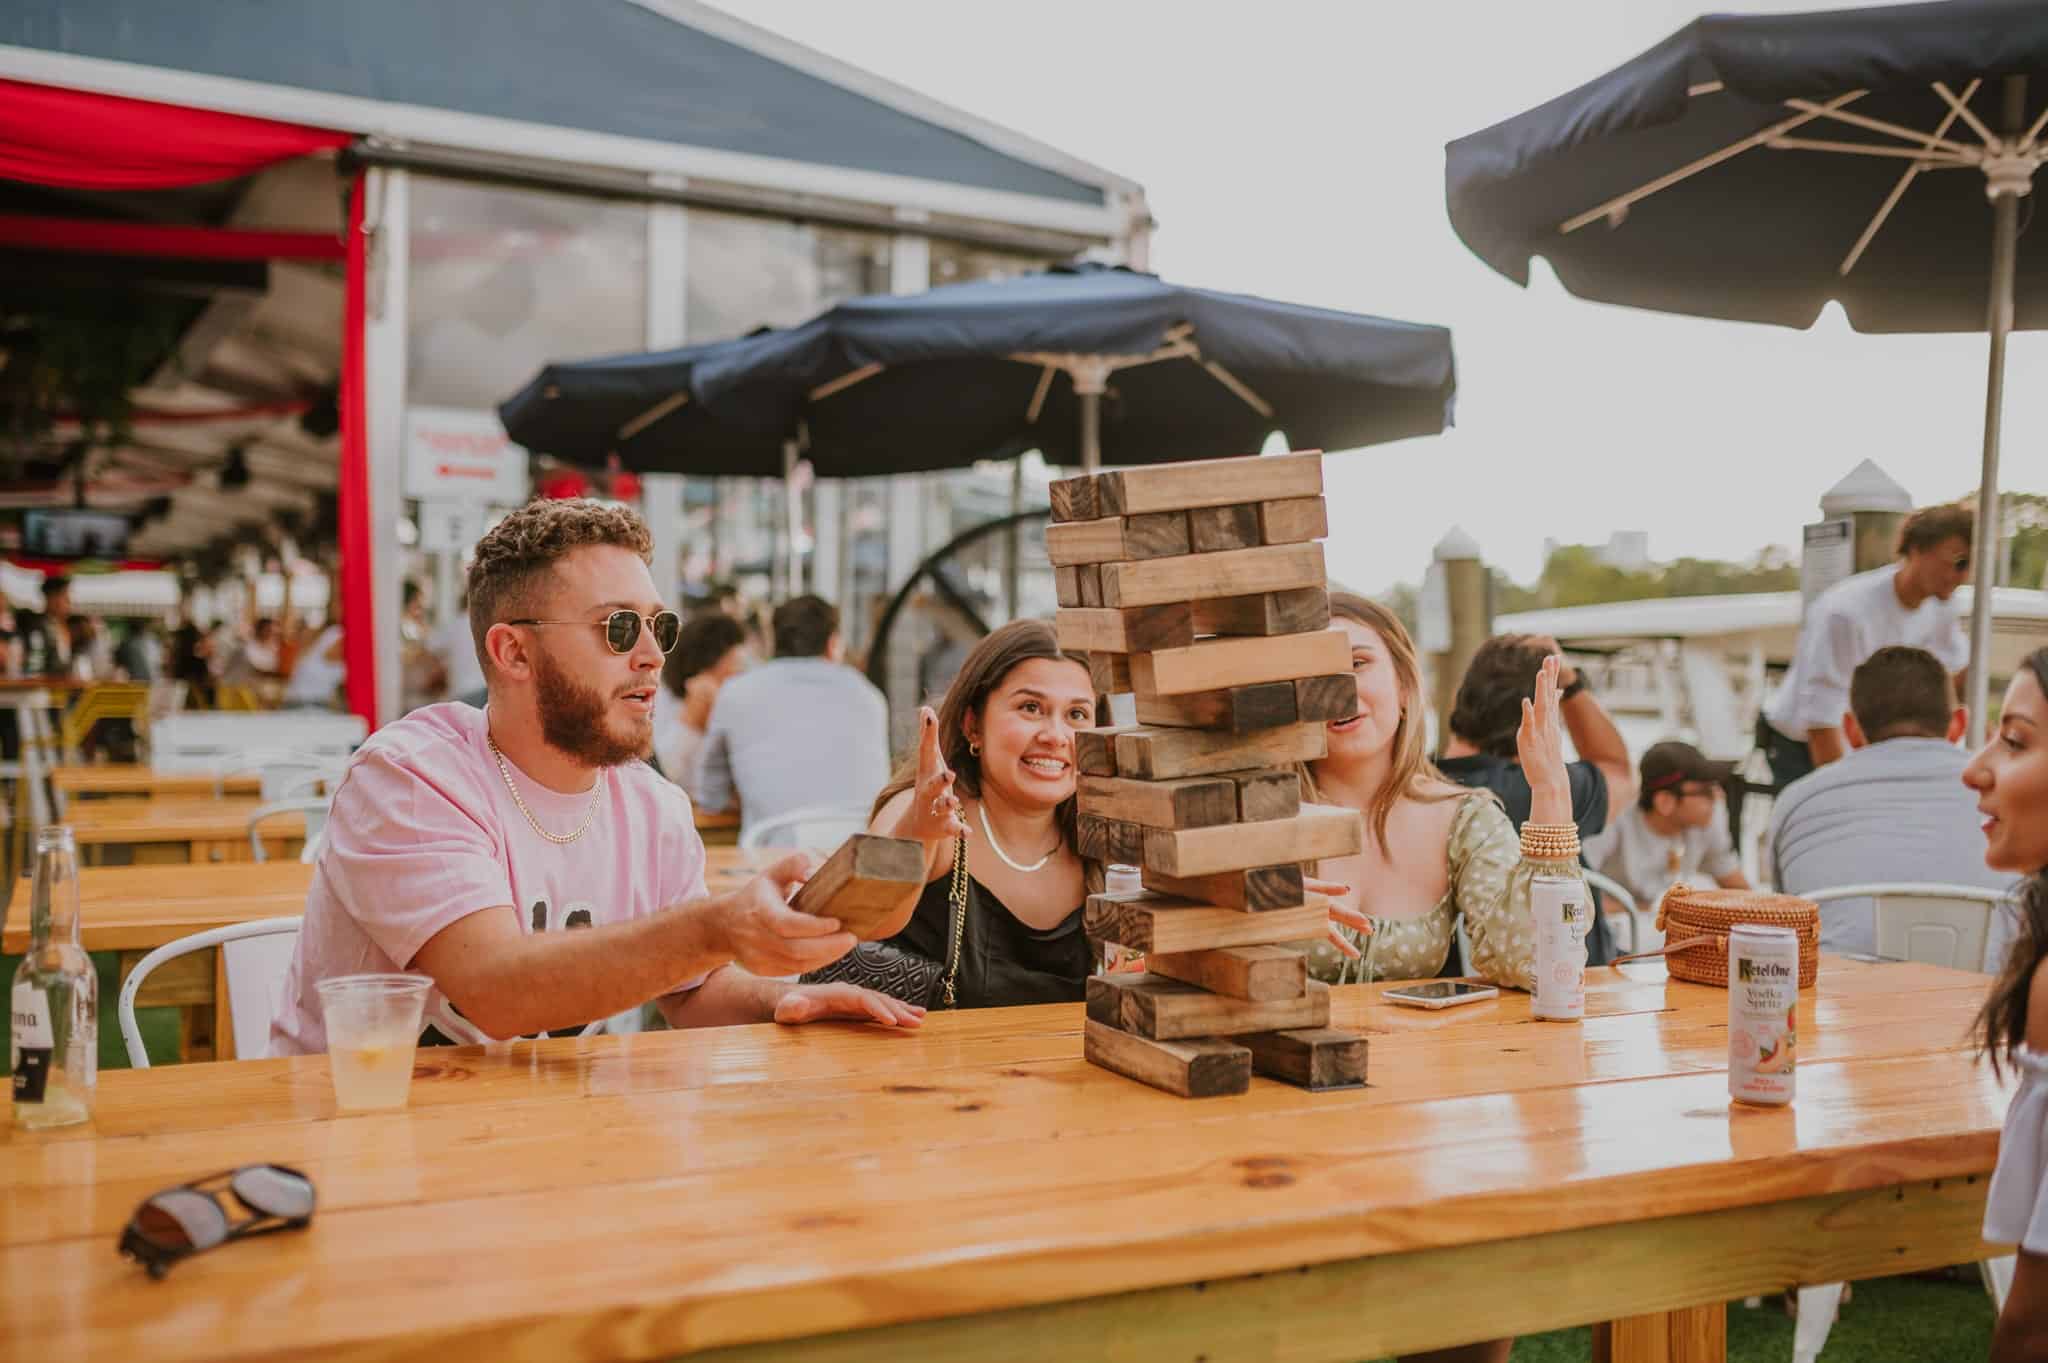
(2016, 1210)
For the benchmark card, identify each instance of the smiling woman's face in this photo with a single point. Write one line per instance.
(1371, 731)
(1026, 730)
(2010, 775)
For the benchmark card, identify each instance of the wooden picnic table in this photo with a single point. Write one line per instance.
(133, 778)
(183, 828)
(974, 1189)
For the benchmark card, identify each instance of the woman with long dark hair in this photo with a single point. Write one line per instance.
(2010, 776)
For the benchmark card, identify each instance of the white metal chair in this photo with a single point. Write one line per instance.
(315, 810)
(257, 955)
(1934, 924)
(1619, 894)
(810, 826)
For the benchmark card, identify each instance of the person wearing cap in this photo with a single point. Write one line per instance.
(1677, 829)
(1907, 602)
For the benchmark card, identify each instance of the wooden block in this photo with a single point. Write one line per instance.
(1238, 710)
(1263, 796)
(1316, 1058)
(1210, 482)
(1256, 889)
(1295, 612)
(1138, 630)
(870, 885)
(1145, 921)
(1106, 996)
(1094, 878)
(1190, 802)
(1215, 664)
(1293, 521)
(1212, 529)
(1181, 1011)
(1110, 673)
(1322, 699)
(1109, 840)
(1073, 499)
(1319, 831)
(1095, 750)
(1157, 754)
(1117, 539)
(1203, 1068)
(1262, 974)
(1201, 577)
(1088, 584)
(1066, 586)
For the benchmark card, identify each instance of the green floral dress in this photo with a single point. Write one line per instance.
(1489, 885)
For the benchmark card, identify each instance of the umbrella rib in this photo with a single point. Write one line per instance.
(844, 381)
(653, 414)
(1711, 159)
(1991, 138)
(1930, 140)
(1869, 149)
(1239, 387)
(1045, 374)
(1891, 201)
(2034, 133)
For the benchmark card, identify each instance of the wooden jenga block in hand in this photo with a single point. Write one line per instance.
(1261, 974)
(1319, 831)
(1317, 1059)
(1157, 754)
(1216, 664)
(1148, 922)
(1238, 710)
(1209, 482)
(1205, 577)
(1190, 802)
(1256, 889)
(869, 885)
(1202, 1068)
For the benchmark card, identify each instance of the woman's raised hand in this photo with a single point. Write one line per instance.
(935, 810)
(1539, 742)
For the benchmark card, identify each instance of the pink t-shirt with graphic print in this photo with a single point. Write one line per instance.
(423, 832)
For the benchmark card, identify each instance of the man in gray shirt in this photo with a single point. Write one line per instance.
(1894, 809)
(800, 731)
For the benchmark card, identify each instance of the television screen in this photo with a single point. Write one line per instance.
(68, 533)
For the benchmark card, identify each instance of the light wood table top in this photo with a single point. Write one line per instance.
(130, 778)
(175, 819)
(136, 908)
(976, 1189)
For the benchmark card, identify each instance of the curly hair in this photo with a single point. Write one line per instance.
(1488, 708)
(520, 551)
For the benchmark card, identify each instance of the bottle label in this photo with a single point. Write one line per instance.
(35, 1042)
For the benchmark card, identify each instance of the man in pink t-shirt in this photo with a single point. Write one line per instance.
(524, 857)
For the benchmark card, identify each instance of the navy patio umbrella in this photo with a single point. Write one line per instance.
(1754, 167)
(1088, 363)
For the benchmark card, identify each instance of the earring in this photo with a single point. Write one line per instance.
(973, 748)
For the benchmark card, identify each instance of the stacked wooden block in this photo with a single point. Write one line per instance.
(1200, 589)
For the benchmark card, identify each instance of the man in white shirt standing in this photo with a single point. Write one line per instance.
(1906, 602)
(1677, 829)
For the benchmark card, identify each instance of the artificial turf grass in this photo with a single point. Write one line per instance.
(1890, 1320)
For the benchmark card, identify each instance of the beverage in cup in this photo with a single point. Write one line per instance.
(373, 1028)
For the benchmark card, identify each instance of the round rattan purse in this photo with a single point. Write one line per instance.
(1695, 925)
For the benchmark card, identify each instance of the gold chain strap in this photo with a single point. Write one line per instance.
(957, 896)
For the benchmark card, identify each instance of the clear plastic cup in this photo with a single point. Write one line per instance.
(373, 1028)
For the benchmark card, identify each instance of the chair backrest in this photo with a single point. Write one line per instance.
(812, 826)
(257, 957)
(1947, 925)
(315, 810)
(1619, 897)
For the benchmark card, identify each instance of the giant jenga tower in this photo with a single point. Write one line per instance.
(1200, 588)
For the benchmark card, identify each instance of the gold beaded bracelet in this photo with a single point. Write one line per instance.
(1550, 841)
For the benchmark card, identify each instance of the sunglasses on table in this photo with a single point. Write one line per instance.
(182, 1221)
(622, 628)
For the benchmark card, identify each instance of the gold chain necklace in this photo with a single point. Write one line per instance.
(557, 838)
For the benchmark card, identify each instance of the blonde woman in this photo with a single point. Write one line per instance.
(1435, 852)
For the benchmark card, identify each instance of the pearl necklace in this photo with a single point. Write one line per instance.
(556, 838)
(990, 834)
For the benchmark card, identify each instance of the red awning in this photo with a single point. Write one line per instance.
(82, 140)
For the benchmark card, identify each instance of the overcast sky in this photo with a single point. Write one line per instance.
(1294, 148)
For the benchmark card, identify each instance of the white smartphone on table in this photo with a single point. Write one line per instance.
(1440, 993)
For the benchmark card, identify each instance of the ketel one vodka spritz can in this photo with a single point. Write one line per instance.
(55, 999)
(1763, 1014)
(1563, 911)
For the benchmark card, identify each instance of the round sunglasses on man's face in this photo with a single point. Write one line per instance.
(622, 628)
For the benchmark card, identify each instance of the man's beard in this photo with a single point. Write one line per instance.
(572, 719)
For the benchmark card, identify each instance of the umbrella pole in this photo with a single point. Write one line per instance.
(2005, 209)
(1091, 430)
(792, 520)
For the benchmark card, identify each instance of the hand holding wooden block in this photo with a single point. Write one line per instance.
(870, 885)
